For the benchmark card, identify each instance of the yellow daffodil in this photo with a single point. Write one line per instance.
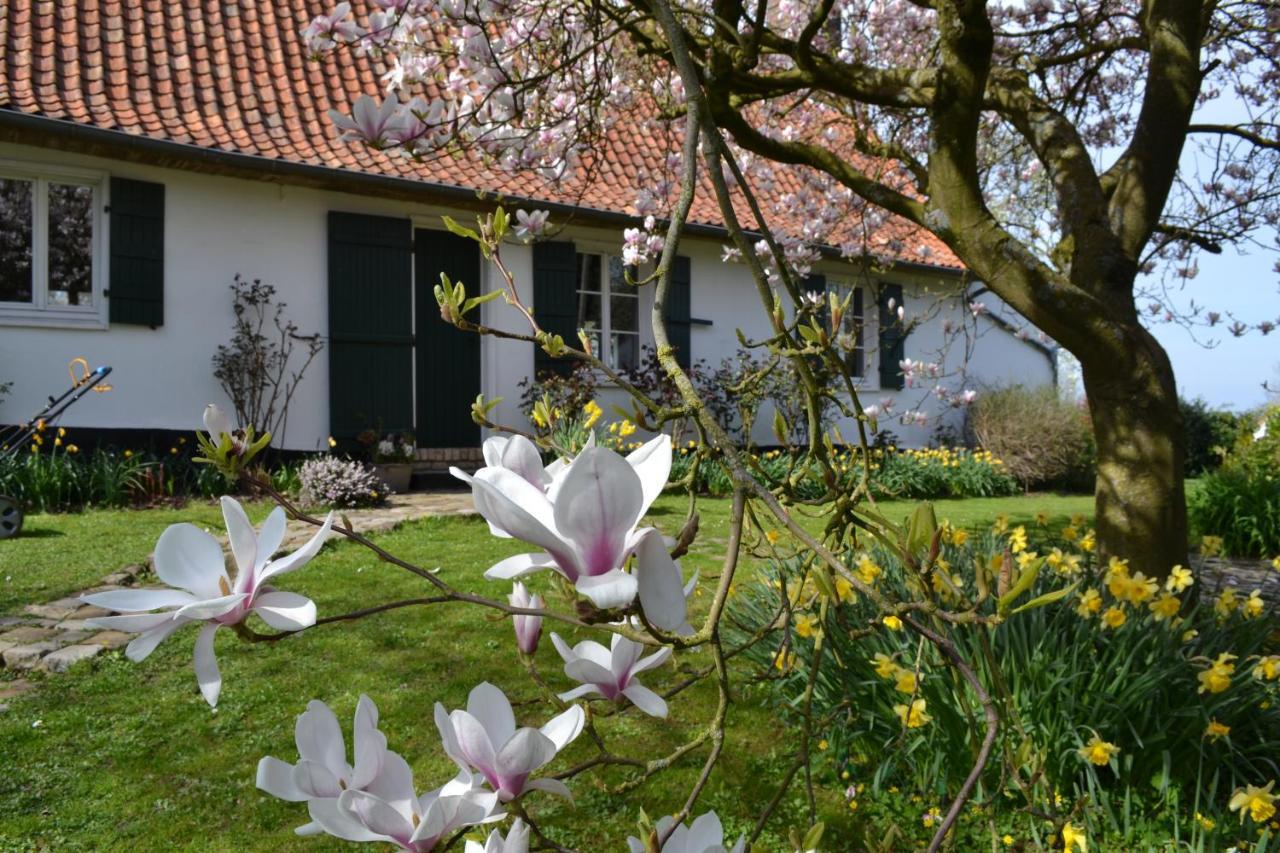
(593, 412)
(868, 571)
(822, 744)
(1114, 617)
(959, 537)
(905, 681)
(1001, 524)
(1007, 840)
(1098, 751)
(1090, 604)
(1216, 730)
(914, 717)
(72, 449)
(784, 661)
(1165, 607)
(1260, 803)
(1062, 562)
(1089, 542)
(1189, 635)
(1077, 519)
(773, 536)
(1252, 606)
(1073, 837)
(1210, 546)
(1018, 539)
(1042, 518)
(1179, 579)
(625, 429)
(333, 442)
(1226, 603)
(806, 625)
(844, 591)
(1206, 823)
(1070, 533)
(1217, 677)
(893, 623)
(1267, 668)
(885, 665)
(1026, 558)
(128, 454)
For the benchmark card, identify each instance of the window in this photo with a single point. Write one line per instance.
(50, 239)
(854, 326)
(609, 310)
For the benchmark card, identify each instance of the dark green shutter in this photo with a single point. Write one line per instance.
(448, 358)
(892, 338)
(370, 325)
(135, 280)
(678, 310)
(555, 301)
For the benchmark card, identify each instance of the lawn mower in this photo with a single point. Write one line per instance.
(14, 439)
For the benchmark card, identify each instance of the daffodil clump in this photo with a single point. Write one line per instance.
(1160, 671)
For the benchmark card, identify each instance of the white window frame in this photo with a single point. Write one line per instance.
(606, 311)
(844, 286)
(39, 312)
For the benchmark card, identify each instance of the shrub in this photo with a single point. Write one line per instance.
(1061, 677)
(343, 483)
(896, 474)
(1209, 435)
(256, 369)
(53, 479)
(1042, 438)
(1240, 502)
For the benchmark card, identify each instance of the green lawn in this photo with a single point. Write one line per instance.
(119, 755)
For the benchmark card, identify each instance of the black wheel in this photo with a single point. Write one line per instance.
(10, 517)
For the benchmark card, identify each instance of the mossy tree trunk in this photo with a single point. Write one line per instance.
(1140, 498)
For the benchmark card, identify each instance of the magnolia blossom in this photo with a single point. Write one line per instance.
(485, 738)
(612, 672)
(218, 424)
(191, 560)
(704, 835)
(322, 772)
(584, 514)
(376, 124)
(528, 628)
(375, 800)
(517, 841)
(530, 225)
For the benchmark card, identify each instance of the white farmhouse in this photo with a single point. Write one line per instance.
(149, 152)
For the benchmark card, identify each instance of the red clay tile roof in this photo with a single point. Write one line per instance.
(233, 76)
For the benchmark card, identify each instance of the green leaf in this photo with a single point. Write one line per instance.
(476, 301)
(1047, 598)
(461, 230)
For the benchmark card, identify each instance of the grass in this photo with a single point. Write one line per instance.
(120, 755)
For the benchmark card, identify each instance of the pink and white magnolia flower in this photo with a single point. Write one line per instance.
(531, 225)
(484, 738)
(704, 835)
(191, 562)
(218, 424)
(377, 124)
(517, 841)
(585, 518)
(374, 799)
(612, 672)
(322, 772)
(528, 628)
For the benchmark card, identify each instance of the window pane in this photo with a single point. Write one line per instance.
(625, 351)
(589, 311)
(589, 273)
(624, 313)
(70, 245)
(15, 240)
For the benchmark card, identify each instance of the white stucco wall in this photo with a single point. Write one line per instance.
(216, 227)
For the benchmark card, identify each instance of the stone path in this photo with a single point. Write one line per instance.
(54, 636)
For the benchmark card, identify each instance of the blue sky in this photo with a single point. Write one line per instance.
(1230, 374)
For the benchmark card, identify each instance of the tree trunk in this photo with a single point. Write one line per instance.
(1140, 499)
